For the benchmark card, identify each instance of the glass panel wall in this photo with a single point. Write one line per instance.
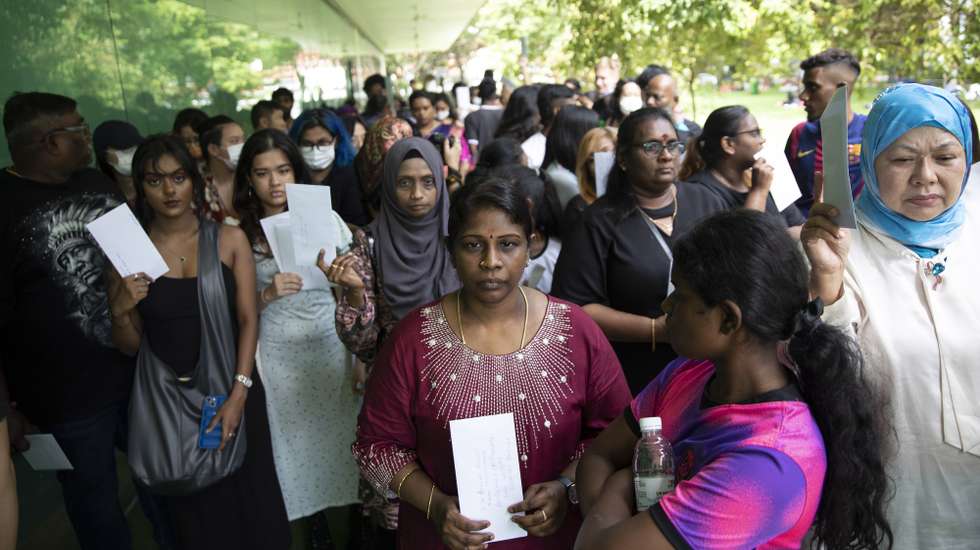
(142, 61)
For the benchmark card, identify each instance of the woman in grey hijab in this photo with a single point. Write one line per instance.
(399, 262)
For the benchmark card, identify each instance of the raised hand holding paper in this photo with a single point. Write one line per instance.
(127, 246)
(279, 234)
(784, 189)
(604, 161)
(488, 475)
(836, 181)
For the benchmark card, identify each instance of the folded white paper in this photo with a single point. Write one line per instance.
(836, 179)
(45, 453)
(312, 222)
(604, 161)
(279, 234)
(784, 190)
(127, 246)
(488, 475)
(463, 105)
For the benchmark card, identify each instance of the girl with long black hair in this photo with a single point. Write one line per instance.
(722, 159)
(774, 424)
(165, 318)
(561, 148)
(312, 403)
(520, 119)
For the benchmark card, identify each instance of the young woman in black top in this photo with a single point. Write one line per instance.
(245, 509)
(616, 264)
(723, 160)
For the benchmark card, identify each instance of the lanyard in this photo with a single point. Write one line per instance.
(666, 248)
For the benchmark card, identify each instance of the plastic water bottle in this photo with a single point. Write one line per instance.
(653, 464)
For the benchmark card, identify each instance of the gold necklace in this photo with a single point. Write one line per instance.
(459, 317)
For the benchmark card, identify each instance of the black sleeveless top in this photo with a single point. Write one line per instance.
(172, 319)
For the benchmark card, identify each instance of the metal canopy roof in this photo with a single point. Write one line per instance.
(353, 27)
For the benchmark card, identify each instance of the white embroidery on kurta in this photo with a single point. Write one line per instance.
(531, 383)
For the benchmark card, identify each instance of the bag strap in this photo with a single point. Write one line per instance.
(665, 247)
(216, 365)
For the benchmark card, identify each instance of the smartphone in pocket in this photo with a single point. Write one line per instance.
(210, 408)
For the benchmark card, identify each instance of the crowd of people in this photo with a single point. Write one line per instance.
(816, 383)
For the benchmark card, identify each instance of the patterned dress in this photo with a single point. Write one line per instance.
(363, 329)
(563, 388)
(312, 408)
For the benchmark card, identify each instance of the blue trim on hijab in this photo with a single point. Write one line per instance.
(343, 148)
(896, 111)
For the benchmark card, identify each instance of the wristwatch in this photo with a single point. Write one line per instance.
(244, 380)
(569, 489)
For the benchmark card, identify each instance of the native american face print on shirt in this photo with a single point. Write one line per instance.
(61, 242)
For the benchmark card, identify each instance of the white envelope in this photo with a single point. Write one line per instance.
(312, 222)
(604, 161)
(279, 235)
(784, 190)
(128, 247)
(488, 475)
(45, 453)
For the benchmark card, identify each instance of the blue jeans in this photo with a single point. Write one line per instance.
(91, 490)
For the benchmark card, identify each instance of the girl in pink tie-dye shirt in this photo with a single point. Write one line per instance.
(774, 428)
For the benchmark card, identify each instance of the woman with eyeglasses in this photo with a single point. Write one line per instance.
(329, 155)
(617, 262)
(722, 159)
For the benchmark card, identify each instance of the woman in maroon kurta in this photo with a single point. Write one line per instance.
(458, 358)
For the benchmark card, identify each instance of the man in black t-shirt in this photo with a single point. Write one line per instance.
(481, 125)
(58, 367)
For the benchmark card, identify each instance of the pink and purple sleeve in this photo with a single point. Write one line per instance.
(741, 499)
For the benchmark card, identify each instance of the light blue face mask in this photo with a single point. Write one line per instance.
(896, 111)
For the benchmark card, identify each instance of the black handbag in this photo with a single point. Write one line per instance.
(165, 411)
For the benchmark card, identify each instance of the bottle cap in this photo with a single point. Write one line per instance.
(650, 423)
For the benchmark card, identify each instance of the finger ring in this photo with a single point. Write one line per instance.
(544, 514)
(232, 434)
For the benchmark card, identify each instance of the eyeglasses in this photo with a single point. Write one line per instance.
(654, 148)
(83, 128)
(319, 146)
(156, 180)
(755, 132)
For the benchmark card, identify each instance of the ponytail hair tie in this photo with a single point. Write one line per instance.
(808, 318)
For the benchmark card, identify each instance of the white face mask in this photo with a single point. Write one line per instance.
(442, 115)
(318, 158)
(124, 161)
(234, 152)
(477, 101)
(630, 103)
